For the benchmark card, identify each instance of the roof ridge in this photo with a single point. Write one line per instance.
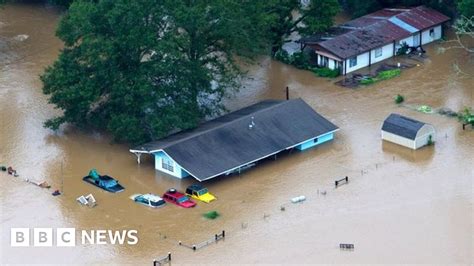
(230, 122)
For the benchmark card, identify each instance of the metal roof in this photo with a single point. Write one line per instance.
(422, 17)
(242, 137)
(375, 30)
(402, 126)
(359, 41)
(402, 24)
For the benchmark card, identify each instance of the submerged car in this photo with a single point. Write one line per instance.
(104, 182)
(200, 193)
(178, 198)
(150, 200)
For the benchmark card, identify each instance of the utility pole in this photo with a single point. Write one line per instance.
(62, 179)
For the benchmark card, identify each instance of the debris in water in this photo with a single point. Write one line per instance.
(21, 37)
(12, 171)
(87, 200)
(298, 199)
(425, 109)
(346, 246)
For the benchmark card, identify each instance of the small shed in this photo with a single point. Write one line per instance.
(407, 132)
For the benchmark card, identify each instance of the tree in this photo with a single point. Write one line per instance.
(283, 17)
(466, 8)
(464, 29)
(358, 8)
(142, 69)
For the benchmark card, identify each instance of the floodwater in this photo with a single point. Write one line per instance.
(400, 206)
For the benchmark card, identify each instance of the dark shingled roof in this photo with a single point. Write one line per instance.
(402, 126)
(227, 142)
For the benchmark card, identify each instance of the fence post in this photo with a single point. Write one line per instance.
(223, 233)
(169, 256)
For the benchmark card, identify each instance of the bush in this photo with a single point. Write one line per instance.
(283, 56)
(399, 99)
(430, 140)
(466, 116)
(403, 50)
(326, 72)
(300, 60)
(211, 215)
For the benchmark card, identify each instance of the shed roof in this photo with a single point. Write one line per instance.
(228, 142)
(402, 126)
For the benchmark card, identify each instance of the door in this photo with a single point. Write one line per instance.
(416, 40)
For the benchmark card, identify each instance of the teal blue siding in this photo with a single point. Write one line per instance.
(184, 173)
(314, 142)
(177, 170)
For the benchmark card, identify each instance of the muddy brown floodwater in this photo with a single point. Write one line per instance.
(400, 206)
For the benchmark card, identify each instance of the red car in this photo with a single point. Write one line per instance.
(178, 198)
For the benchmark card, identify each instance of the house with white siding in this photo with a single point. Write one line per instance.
(375, 37)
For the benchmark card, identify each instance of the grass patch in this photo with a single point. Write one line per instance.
(382, 75)
(326, 72)
(211, 215)
(388, 74)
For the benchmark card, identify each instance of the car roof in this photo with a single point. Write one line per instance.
(151, 197)
(196, 187)
(175, 194)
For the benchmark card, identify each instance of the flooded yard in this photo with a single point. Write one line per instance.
(400, 206)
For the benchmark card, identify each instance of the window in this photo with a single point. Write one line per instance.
(167, 164)
(432, 33)
(353, 61)
(324, 61)
(378, 52)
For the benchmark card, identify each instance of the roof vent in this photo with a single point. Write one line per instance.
(252, 124)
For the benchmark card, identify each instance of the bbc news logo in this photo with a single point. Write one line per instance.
(66, 237)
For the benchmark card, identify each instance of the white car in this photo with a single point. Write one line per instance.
(150, 200)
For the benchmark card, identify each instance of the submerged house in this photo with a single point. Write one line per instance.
(407, 132)
(375, 37)
(239, 139)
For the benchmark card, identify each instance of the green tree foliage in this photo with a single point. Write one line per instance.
(65, 3)
(358, 8)
(283, 17)
(141, 69)
(466, 8)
